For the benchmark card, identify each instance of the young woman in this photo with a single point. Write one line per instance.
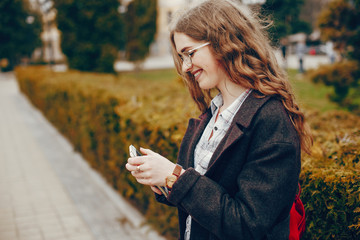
(239, 163)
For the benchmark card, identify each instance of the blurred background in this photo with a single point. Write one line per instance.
(115, 35)
(102, 74)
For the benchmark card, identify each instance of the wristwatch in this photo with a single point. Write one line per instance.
(170, 180)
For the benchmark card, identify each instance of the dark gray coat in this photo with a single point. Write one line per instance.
(250, 185)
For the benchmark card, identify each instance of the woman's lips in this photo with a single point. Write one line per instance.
(197, 74)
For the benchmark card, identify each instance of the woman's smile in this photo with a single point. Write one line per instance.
(197, 74)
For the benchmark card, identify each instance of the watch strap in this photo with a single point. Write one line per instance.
(177, 170)
(170, 180)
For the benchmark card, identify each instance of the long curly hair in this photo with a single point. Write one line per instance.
(239, 42)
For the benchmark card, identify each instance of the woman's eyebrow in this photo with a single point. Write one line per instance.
(184, 48)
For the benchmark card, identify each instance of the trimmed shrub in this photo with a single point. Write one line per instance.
(330, 177)
(342, 76)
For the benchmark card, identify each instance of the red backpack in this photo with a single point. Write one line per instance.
(297, 218)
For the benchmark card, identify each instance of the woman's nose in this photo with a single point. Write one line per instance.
(185, 67)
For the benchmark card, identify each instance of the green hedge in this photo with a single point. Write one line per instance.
(102, 114)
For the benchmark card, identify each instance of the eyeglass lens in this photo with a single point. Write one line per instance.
(187, 57)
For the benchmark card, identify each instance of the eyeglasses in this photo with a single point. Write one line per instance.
(186, 57)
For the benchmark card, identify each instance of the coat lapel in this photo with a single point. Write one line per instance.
(198, 127)
(240, 122)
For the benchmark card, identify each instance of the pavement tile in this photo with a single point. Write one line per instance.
(81, 237)
(32, 237)
(8, 227)
(29, 233)
(53, 233)
(8, 235)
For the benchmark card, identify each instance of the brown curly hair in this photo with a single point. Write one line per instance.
(239, 42)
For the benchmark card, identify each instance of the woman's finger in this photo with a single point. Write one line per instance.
(156, 190)
(131, 167)
(146, 151)
(137, 160)
(144, 181)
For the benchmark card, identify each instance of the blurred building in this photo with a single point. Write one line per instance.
(166, 10)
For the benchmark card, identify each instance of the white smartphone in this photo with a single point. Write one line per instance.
(134, 153)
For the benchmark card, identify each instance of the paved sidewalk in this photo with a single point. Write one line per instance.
(47, 191)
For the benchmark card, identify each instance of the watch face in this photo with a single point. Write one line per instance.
(170, 180)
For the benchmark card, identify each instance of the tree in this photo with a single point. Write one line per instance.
(285, 16)
(140, 29)
(310, 11)
(92, 33)
(339, 22)
(20, 29)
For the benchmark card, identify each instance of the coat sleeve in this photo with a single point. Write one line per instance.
(162, 199)
(266, 183)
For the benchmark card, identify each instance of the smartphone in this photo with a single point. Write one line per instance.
(134, 153)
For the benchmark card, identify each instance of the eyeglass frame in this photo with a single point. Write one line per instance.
(186, 57)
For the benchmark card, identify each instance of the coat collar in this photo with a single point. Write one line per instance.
(241, 121)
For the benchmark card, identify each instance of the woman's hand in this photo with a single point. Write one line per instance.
(155, 189)
(150, 169)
